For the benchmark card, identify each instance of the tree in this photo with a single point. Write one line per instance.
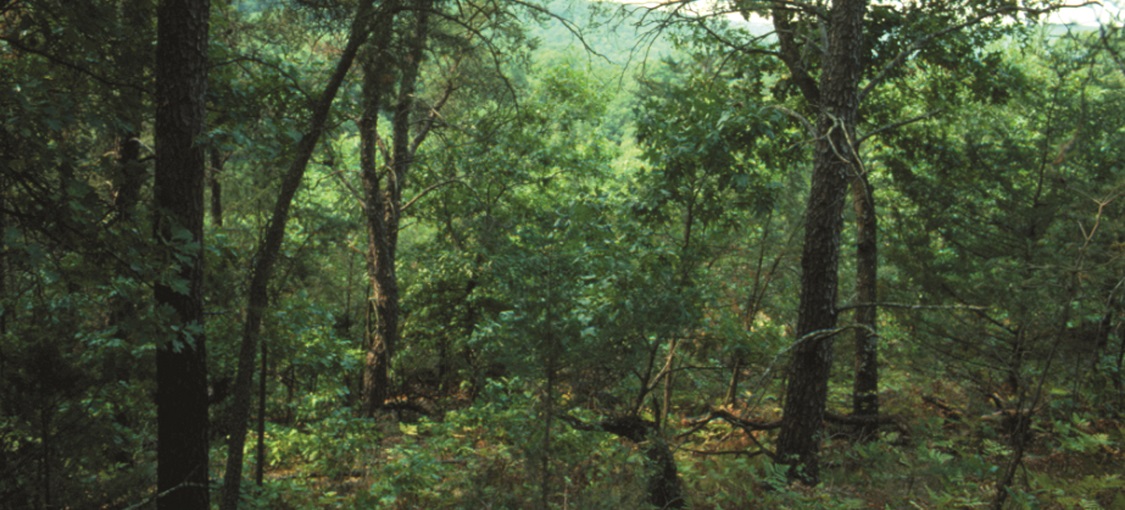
(181, 359)
(270, 246)
(836, 159)
(865, 388)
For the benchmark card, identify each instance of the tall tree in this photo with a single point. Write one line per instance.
(270, 247)
(181, 360)
(382, 195)
(835, 161)
(380, 211)
(865, 387)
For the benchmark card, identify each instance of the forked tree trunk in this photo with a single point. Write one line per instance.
(382, 324)
(383, 201)
(835, 162)
(181, 361)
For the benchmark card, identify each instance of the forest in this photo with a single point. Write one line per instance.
(528, 254)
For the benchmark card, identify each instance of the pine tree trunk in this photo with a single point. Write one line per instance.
(181, 361)
(835, 162)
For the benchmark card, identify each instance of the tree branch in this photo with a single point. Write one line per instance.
(925, 40)
(15, 43)
(910, 306)
(896, 125)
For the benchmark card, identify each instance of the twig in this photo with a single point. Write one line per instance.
(909, 306)
(899, 124)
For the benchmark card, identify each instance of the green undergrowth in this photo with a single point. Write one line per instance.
(490, 455)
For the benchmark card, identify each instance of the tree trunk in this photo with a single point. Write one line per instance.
(835, 161)
(217, 162)
(131, 61)
(383, 202)
(382, 321)
(865, 390)
(267, 256)
(181, 361)
(663, 479)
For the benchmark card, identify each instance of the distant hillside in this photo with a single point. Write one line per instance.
(600, 31)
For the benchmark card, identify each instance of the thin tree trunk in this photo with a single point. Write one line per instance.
(181, 361)
(45, 455)
(735, 375)
(260, 468)
(217, 162)
(267, 256)
(4, 305)
(835, 161)
(865, 390)
(666, 396)
(131, 62)
(548, 418)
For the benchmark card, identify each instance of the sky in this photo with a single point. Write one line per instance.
(1088, 15)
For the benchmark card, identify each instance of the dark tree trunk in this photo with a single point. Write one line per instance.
(664, 488)
(663, 479)
(131, 61)
(835, 162)
(181, 361)
(216, 186)
(3, 275)
(865, 391)
(130, 175)
(383, 202)
(267, 256)
(260, 468)
(382, 320)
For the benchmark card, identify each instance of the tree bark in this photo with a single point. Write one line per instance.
(383, 203)
(267, 256)
(131, 61)
(865, 389)
(662, 477)
(382, 323)
(181, 361)
(835, 161)
(216, 185)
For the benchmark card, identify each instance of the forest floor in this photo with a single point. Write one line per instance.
(933, 454)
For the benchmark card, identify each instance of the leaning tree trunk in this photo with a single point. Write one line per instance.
(865, 390)
(267, 256)
(835, 161)
(181, 361)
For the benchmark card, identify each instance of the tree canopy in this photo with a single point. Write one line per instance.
(479, 254)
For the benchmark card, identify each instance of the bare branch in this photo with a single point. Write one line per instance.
(909, 306)
(896, 125)
(17, 44)
(570, 26)
(427, 191)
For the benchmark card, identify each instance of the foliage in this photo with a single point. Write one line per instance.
(583, 242)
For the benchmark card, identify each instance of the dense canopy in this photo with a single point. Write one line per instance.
(509, 254)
